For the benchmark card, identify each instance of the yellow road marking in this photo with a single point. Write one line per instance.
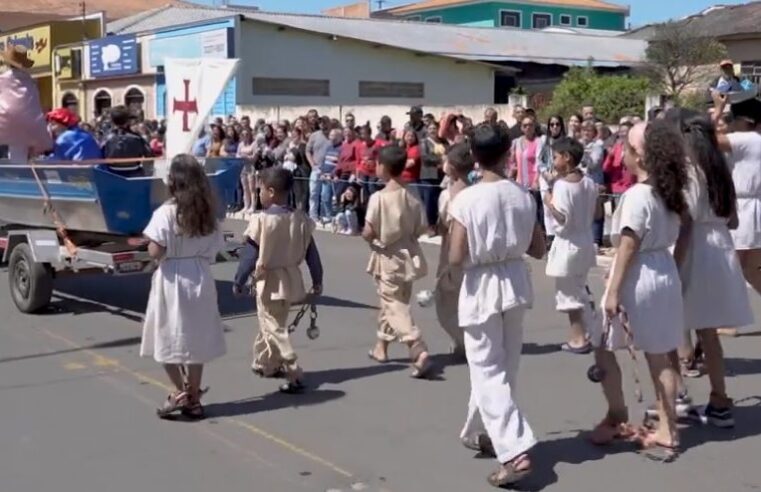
(74, 366)
(102, 361)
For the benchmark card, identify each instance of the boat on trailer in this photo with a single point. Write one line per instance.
(78, 217)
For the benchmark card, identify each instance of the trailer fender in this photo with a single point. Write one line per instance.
(45, 246)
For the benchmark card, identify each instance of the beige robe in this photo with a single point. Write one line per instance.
(396, 260)
(448, 279)
(283, 238)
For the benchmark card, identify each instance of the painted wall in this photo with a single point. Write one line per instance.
(345, 63)
(487, 15)
(190, 42)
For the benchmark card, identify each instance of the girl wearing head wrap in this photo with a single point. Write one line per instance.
(71, 142)
(644, 286)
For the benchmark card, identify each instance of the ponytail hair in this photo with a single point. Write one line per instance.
(665, 162)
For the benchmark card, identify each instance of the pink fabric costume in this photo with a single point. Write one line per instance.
(22, 123)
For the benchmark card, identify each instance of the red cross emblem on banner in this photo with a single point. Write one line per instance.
(187, 106)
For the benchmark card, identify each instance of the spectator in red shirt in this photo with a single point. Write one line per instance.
(411, 173)
(386, 131)
(617, 177)
(368, 158)
(157, 143)
(348, 159)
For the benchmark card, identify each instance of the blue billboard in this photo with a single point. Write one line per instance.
(113, 56)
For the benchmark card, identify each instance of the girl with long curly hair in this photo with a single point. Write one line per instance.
(644, 286)
(183, 328)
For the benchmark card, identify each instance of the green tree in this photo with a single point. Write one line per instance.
(676, 54)
(613, 96)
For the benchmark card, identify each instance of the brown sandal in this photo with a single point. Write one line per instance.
(420, 370)
(608, 431)
(193, 409)
(174, 402)
(656, 450)
(509, 474)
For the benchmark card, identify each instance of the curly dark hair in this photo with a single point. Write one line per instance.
(665, 162)
(191, 192)
(703, 150)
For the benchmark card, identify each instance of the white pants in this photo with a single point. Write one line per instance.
(494, 350)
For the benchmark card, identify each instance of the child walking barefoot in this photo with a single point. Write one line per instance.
(183, 328)
(715, 295)
(278, 240)
(393, 224)
(572, 203)
(644, 283)
(457, 166)
(494, 226)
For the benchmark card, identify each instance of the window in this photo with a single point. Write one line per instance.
(406, 90)
(267, 86)
(434, 20)
(582, 21)
(102, 101)
(134, 99)
(509, 18)
(540, 21)
(565, 20)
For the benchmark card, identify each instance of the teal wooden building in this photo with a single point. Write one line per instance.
(523, 14)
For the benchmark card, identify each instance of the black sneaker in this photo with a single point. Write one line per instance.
(719, 417)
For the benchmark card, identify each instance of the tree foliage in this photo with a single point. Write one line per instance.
(675, 55)
(613, 96)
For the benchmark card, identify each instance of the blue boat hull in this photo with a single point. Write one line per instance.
(97, 200)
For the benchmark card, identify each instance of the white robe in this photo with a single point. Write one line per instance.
(182, 322)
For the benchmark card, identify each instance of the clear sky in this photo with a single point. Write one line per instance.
(643, 11)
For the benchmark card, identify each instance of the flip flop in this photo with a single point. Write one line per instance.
(655, 450)
(583, 350)
(508, 474)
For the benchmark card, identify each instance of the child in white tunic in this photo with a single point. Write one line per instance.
(183, 328)
(458, 164)
(572, 204)
(644, 283)
(743, 147)
(715, 295)
(494, 226)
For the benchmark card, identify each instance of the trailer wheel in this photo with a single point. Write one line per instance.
(31, 283)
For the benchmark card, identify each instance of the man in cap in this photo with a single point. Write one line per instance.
(72, 143)
(416, 123)
(22, 122)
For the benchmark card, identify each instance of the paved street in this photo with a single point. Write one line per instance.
(77, 404)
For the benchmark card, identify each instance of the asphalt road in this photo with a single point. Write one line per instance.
(77, 404)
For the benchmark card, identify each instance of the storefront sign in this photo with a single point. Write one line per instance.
(114, 55)
(209, 44)
(36, 41)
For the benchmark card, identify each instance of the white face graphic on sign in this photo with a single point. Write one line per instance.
(110, 54)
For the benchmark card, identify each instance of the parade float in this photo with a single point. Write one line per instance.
(79, 216)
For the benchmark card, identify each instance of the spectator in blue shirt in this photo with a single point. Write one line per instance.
(327, 169)
(201, 146)
(72, 143)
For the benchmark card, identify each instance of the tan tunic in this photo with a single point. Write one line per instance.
(448, 279)
(397, 218)
(283, 238)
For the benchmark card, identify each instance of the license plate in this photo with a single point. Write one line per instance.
(130, 267)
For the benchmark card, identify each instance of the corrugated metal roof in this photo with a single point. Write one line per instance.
(438, 4)
(467, 43)
(719, 21)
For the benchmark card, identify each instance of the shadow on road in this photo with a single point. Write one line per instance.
(742, 367)
(123, 342)
(270, 402)
(531, 348)
(338, 376)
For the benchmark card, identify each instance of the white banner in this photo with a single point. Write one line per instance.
(192, 87)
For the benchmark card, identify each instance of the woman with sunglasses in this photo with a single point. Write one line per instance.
(555, 132)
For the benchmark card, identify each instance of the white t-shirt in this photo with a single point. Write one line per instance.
(647, 216)
(745, 163)
(499, 218)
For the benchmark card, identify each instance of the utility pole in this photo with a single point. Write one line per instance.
(380, 4)
(83, 6)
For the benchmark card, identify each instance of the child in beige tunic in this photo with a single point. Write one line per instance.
(393, 223)
(280, 240)
(459, 163)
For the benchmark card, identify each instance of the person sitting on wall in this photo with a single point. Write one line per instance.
(124, 143)
(72, 143)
